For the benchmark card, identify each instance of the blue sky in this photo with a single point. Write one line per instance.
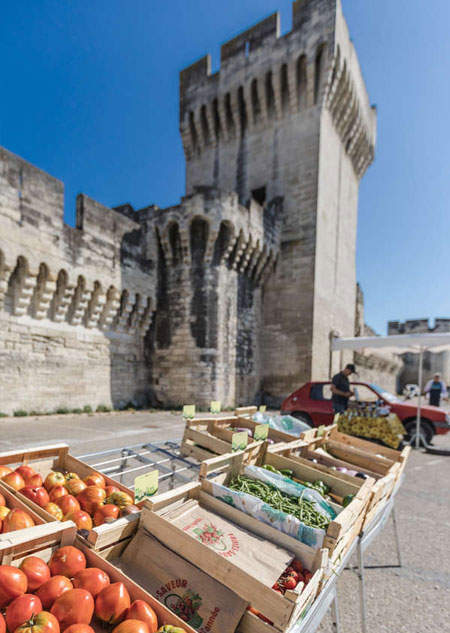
(90, 89)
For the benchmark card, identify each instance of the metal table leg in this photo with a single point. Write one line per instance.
(362, 588)
(335, 615)
(397, 541)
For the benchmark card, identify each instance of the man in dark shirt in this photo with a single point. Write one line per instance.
(340, 388)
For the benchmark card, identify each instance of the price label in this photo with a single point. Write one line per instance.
(215, 406)
(145, 486)
(261, 432)
(239, 441)
(189, 411)
(262, 408)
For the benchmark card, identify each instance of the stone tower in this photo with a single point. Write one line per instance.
(289, 118)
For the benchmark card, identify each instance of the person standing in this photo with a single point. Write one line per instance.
(340, 388)
(437, 390)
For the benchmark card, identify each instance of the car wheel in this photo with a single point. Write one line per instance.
(425, 429)
(303, 417)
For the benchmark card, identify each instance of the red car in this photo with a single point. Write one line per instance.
(312, 404)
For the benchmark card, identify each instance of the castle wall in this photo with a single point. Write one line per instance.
(75, 303)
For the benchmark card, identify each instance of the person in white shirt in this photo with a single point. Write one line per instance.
(437, 390)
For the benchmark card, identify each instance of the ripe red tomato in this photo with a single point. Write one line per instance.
(81, 519)
(140, 610)
(112, 603)
(21, 609)
(90, 498)
(36, 571)
(67, 504)
(16, 520)
(2, 624)
(14, 480)
(54, 510)
(73, 607)
(75, 486)
(13, 583)
(110, 489)
(131, 626)
(35, 480)
(103, 513)
(37, 495)
(91, 579)
(297, 565)
(95, 479)
(79, 628)
(4, 470)
(25, 471)
(56, 492)
(132, 509)
(54, 479)
(43, 622)
(50, 590)
(67, 561)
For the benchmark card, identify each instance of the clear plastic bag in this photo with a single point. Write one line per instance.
(285, 423)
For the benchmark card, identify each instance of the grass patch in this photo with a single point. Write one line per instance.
(62, 410)
(77, 411)
(103, 408)
(20, 413)
(87, 409)
(3, 415)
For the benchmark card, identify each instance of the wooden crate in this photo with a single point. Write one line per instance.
(205, 437)
(282, 610)
(57, 457)
(341, 531)
(12, 501)
(58, 535)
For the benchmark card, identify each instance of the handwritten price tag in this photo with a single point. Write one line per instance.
(239, 441)
(215, 406)
(261, 432)
(189, 411)
(262, 408)
(145, 486)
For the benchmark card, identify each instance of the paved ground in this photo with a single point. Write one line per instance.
(412, 599)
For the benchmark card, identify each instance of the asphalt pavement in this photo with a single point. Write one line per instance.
(412, 599)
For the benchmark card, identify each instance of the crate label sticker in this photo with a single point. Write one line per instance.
(263, 408)
(215, 406)
(145, 486)
(239, 441)
(261, 432)
(189, 411)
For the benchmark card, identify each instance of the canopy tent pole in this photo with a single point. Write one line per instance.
(419, 402)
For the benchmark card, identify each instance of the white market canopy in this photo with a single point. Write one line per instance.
(398, 344)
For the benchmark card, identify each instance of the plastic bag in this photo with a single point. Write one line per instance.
(285, 423)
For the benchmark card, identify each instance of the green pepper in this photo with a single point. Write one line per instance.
(347, 499)
(270, 468)
(287, 472)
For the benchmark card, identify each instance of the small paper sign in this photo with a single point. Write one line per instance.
(239, 441)
(189, 411)
(145, 486)
(262, 408)
(261, 432)
(215, 406)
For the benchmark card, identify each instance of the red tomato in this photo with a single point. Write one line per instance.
(21, 609)
(297, 565)
(2, 624)
(25, 471)
(73, 607)
(112, 603)
(110, 489)
(68, 504)
(90, 498)
(78, 628)
(67, 561)
(95, 479)
(81, 519)
(54, 510)
(120, 499)
(4, 470)
(43, 622)
(52, 589)
(54, 479)
(56, 492)
(131, 626)
(35, 480)
(17, 520)
(91, 579)
(37, 495)
(2, 500)
(132, 509)
(69, 476)
(75, 486)
(140, 610)
(14, 480)
(36, 571)
(103, 513)
(13, 583)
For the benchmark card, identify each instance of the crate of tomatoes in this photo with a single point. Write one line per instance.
(53, 583)
(16, 515)
(59, 487)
